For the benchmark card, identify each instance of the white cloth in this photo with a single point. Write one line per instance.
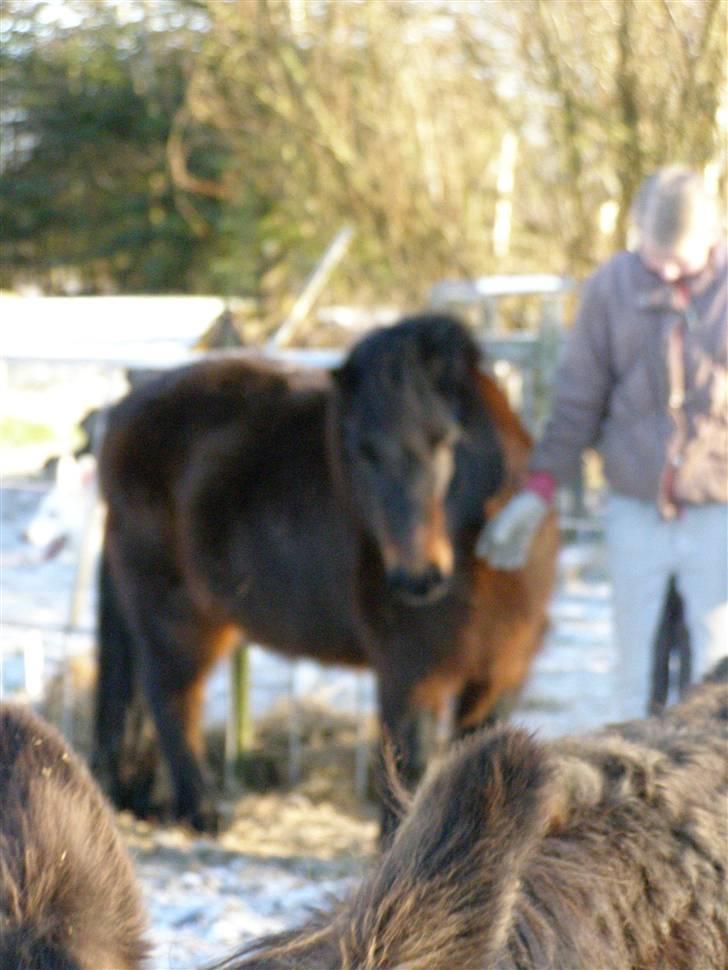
(506, 540)
(644, 551)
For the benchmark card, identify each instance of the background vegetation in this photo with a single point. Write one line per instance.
(218, 145)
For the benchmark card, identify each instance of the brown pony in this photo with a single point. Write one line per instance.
(68, 899)
(607, 852)
(331, 515)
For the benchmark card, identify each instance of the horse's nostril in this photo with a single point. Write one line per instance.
(424, 587)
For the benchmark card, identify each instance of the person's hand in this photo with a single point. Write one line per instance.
(506, 540)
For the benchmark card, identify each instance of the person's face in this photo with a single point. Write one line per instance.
(686, 258)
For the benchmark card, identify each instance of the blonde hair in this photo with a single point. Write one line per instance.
(671, 205)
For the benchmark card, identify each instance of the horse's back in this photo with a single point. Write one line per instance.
(265, 506)
(153, 430)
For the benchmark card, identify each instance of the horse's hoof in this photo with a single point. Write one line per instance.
(206, 820)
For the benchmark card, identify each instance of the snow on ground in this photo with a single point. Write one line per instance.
(204, 901)
(285, 851)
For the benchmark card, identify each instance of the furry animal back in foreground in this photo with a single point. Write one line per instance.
(605, 852)
(68, 898)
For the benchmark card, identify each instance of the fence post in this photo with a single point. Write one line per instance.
(550, 332)
(239, 738)
(314, 285)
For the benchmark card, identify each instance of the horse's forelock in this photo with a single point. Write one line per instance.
(427, 336)
(446, 339)
(415, 369)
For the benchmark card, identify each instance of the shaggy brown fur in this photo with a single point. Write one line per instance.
(333, 516)
(68, 900)
(600, 853)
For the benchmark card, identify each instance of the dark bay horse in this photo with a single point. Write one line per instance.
(331, 515)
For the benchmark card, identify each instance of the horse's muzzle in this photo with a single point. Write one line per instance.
(418, 589)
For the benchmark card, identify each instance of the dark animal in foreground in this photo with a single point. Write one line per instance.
(68, 899)
(331, 515)
(671, 640)
(607, 851)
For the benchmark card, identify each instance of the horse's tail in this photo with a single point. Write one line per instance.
(116, 678)
(443, 896)
(672, 637)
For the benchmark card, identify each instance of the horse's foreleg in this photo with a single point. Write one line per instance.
(481, 705)
(399, 761)
(475, 707)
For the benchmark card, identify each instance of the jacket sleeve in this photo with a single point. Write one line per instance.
(581, 387)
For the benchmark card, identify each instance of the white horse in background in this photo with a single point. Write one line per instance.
(66, 510)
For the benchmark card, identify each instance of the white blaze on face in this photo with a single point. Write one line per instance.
(431, 540)
(443, 463)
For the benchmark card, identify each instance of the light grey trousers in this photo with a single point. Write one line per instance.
(644, 550)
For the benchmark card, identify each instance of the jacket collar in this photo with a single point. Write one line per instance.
(653, 293)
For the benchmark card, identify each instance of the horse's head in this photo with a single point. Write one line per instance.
(61, 513)
(417, 451)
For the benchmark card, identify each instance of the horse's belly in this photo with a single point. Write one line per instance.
(297, 599)
(294, 628)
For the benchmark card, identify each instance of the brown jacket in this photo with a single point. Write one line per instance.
(645, 381)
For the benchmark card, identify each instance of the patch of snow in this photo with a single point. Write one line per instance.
(201, 909)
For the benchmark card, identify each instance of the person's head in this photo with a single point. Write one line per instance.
(677, 223)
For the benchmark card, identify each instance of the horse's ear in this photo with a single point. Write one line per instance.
(452, 363)
(449, 347)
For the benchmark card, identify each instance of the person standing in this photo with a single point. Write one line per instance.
(644, 379)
